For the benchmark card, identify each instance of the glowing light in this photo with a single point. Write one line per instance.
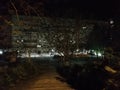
(95, 53)
(92, 50)
(1, 52)
(77, 50)
(18, 41)
(99, 54)
(22, 40)
(33, 55)
(53, 50)
(38, 46)
(111, 21)
(84, 27)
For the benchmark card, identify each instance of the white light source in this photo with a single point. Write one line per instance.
(111, 21)
(95, 53)
(1, 52)
(18, 41)
(77, 50)
(38, 46)
(84, 27)
(99, 54)
(22, 40)
(92, 50)
(53, 50)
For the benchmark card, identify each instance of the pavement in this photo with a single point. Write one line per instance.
(49, 80)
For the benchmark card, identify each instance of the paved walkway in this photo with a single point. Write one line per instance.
(49, 80)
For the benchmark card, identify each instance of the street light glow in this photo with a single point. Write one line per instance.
(38, 46)
(1, 52)
(111, 21)
(99, 54)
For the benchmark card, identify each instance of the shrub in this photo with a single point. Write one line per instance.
(23, 70)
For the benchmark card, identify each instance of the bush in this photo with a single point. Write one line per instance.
(23, 70)
(85, 77)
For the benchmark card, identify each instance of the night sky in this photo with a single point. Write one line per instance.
(87, 8)
(96, 9)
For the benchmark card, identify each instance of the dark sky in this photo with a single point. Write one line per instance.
(87, 8)
(100, 9)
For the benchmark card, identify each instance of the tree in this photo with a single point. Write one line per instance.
(67, 39)
(98, 37)
(70, 35)
(27, 9)
(5, 33)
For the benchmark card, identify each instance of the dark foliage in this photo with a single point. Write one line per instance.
(87, 77)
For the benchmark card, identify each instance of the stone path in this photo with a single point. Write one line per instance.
(49, 80)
